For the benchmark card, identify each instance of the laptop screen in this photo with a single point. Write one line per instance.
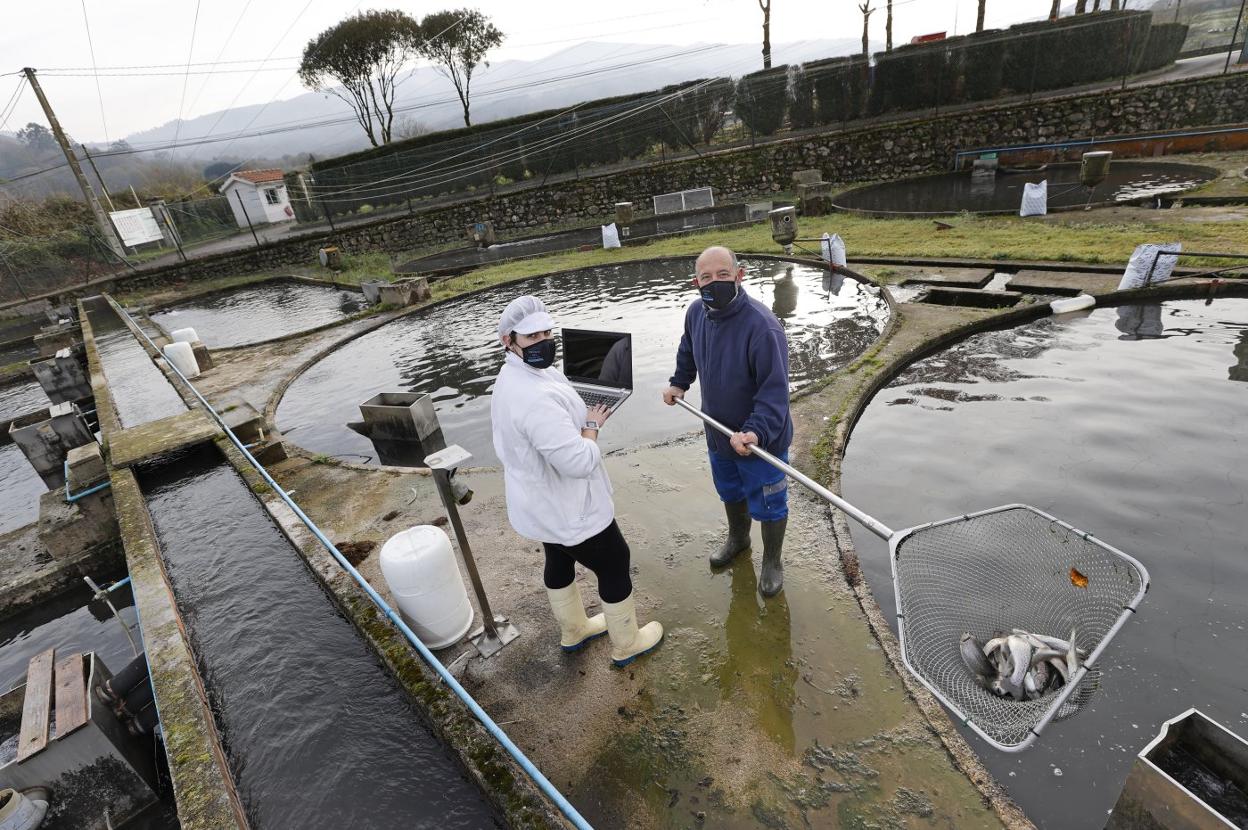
(601, 357)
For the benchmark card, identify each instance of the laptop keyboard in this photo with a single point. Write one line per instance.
(593, 399)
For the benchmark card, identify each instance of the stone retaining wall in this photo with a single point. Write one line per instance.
(886, 151)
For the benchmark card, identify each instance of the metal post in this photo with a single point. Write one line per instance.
(103, 186)
(163, 212)
(9, 267)
(496, 632)
(1235, 36)
(329, 217)
(248, 218)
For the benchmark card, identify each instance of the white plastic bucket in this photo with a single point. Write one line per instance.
(182, 356)
(1066, 306)
(420, 569)
(186, 335)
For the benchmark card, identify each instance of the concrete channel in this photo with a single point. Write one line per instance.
(230, 759)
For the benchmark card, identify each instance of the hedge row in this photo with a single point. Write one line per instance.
(1024, 58)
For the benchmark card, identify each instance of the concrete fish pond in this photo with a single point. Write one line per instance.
(1128, 181)
(452, 351)
(273, 309)
(1128, 422)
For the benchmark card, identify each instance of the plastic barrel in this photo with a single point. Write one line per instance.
(420, 569)
(186, 335)
(183, 356)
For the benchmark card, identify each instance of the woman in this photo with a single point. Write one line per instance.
(558, 492)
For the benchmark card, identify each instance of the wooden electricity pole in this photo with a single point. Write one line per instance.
(106, 227)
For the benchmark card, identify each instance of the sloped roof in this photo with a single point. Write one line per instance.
(258, 176)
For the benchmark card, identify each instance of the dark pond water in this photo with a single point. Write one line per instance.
(452, 351)
(20, 398)
(70, 622)
(1129, 423)
(956, 192)
(20, 489)
(317, 732)
(260, 312)
(141, 393)
(17, 351)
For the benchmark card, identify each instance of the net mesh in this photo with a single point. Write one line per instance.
(993, 572)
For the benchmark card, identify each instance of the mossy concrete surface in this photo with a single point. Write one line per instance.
(141, 443)
(776, 713)
(29, 574)
(202, 785)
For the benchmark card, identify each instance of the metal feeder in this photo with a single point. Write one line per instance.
(784, 227)
(495, 631)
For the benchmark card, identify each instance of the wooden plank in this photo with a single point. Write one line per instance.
(36, 706)
(71, 695)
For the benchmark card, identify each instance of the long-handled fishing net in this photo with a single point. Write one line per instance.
(988, 573)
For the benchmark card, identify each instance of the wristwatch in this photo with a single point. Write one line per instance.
(592, 425)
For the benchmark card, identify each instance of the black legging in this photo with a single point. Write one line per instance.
(605, 553)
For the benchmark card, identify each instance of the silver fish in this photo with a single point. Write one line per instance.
(1020, 659)
(973, 656)
(1058, 664)
(1072, 656)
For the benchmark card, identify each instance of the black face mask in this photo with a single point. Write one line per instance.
(718, 294)
(540, 355)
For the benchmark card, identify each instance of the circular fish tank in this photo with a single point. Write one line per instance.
(259, 313)
(451, 350)
(1131, 424)
(1002, 192)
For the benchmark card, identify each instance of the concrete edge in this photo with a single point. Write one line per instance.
(838, 433)
(202, 785)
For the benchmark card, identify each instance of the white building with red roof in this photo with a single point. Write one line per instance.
(259, 196)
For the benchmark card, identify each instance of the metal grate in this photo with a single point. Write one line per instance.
(990, 572)
(702, 197)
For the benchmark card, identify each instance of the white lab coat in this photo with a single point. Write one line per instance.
(557, 488)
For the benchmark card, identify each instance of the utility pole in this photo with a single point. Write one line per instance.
(103, 186)
(106, 227)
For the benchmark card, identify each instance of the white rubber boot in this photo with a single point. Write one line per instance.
(575, 627)
(627, 641)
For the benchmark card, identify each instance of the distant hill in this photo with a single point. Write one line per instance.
(582, 72)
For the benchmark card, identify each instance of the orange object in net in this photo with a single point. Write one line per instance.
(1078, 579)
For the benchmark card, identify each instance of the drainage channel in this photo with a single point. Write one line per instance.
(317, 732)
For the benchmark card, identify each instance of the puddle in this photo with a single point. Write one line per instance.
(1128, 423)
(261, 312)
(452, 351)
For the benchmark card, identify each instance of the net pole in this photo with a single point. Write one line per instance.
(874, 525)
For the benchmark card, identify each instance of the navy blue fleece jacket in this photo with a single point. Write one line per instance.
(743, 359)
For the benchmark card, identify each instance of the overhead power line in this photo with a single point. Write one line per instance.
(91, 46)
(186, 78)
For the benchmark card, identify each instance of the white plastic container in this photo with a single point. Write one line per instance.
(186, 335)
(420, 569)
(1069, 304)
(182, 356)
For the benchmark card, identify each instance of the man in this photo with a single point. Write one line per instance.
(738, 347)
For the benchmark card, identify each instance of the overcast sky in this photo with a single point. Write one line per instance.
(52, 34)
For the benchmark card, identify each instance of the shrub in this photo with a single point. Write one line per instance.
(840, 87)
(1164, 42)
(762, 98)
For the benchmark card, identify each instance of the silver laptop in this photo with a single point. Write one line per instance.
(599, 364)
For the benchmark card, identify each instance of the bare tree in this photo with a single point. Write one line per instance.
(979, 17)
(456, 41)
(865, 8)
(408, 126)
(888, 28)
(1055, 9)
(1178, 5)
(1113, 5)
(358, 60)
(766, 9)
(1096, 5)
(1081, 6)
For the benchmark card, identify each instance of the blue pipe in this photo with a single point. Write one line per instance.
(1086, 141)
(493, 728)
(76, 496)
(117, 585)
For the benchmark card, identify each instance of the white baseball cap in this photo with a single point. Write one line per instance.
(525, 315)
